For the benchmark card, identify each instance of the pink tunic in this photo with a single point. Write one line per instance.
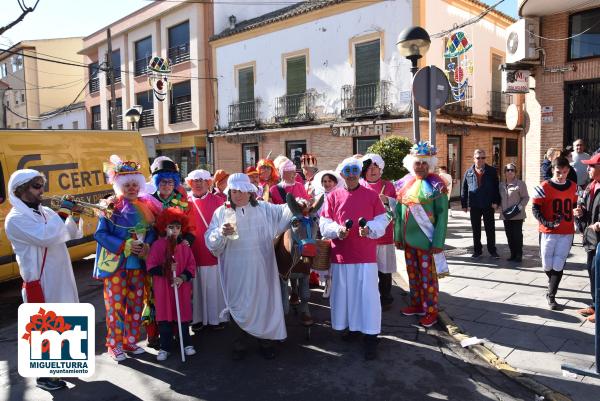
(389, 191)
(342, 205)
(297, 190)
(207, 206)
(163, 292)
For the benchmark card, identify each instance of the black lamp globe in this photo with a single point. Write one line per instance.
(413, 42)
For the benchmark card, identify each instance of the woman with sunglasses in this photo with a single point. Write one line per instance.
(513, 199)
(353, 219)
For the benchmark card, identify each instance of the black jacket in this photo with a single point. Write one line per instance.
(591, 215)
(480, 197)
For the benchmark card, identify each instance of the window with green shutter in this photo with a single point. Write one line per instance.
(296, 85)
(366, 69)
(246, 93)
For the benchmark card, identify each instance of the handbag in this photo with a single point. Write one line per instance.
(34, 293)
(108, 261)
(511, 212)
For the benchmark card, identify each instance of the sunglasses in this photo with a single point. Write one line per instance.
(480, 158)
(167, 182)
(351, 170)
(510, 169)
(37, 186)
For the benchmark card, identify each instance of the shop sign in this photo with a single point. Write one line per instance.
(168, 139)
(547, 114)
(515, 81)
(361, 130)
(244, 138)
(453, 129)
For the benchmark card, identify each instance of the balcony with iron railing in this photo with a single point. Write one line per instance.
(141, 66)
(295, 108)
(180, 53)
(499, 102)
(244, 114)
(94, 84)
(366, 100)
(459, 103)
(180, 112)
(147, 118)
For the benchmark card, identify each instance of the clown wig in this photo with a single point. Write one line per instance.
(169, 216)
(409, 161)
(166, 175)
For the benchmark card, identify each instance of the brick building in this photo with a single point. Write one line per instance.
(563, 103)
(326, 78)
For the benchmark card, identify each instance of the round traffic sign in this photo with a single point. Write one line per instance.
(430, 88)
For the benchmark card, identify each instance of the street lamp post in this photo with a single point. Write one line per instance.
(413, 42)
(133, 116)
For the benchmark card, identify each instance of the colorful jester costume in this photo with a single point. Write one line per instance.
(420, 229)
(121, 270)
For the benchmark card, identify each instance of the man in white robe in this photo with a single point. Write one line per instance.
(38, 237)
(355, 303)
(247, 265)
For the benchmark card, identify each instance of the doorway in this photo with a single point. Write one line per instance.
(453, 156)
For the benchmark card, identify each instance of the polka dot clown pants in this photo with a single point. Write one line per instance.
(422, 279)
(123, 299)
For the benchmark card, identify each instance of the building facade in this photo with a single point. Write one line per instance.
(71, 117)
(36, 85)
(563, 103)
(325, 78)
(176, 127)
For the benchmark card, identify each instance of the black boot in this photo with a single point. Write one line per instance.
(554, 278)
(385, 290)
(370, 341)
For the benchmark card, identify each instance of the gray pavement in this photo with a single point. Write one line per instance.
(413, 364)
(504, 303)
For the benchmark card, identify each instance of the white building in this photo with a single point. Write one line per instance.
(71, 117)
(326, 78)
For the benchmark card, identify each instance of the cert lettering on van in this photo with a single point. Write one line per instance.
(66, 180)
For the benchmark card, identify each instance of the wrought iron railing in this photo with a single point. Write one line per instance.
(366, 100)
(244, 114)
(499, 102)
(295, 108)
(459, 103)
(180, 112)
(180, 53)
(141, 66)
(94, 84)
(147, 118)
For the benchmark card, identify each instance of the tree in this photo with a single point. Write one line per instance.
(392, 149)
(24, 11)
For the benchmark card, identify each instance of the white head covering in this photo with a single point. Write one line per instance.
(279, 160)
(350, 161)
(287, 165)
(318, 186)
(18, 178)
(240, 182)
(199, 175)
(375, 158)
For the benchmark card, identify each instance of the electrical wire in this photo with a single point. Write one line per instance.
(258, 2)
(55, 113)
(468, 22)
(568, 37)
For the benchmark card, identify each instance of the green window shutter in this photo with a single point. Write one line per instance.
(296, 75)
(367, 59)
(246, 84)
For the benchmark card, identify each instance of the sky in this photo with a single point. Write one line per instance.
(66, 18)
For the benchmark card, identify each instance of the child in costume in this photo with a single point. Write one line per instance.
(168, 255)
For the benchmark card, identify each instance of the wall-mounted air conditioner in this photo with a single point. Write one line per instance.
(522, 42)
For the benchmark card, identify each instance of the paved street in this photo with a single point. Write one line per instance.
(505, 303)
(412, 365)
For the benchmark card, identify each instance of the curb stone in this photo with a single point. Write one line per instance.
(500, 364)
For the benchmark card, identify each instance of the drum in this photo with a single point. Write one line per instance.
(323, 259)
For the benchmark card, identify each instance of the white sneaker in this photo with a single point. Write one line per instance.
(189, 350)
(162, 355)
(327, 289)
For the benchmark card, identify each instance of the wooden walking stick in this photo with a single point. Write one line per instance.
(172, 245)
